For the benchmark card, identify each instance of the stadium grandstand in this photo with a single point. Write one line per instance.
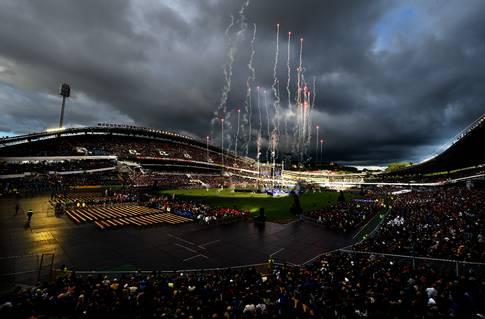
(118, 148)
(126, 143)
(112, 147)
(464, 152)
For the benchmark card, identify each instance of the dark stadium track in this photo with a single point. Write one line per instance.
(171, 247)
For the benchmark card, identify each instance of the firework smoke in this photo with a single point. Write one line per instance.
(288, 92)
(232, 42)
(276, 94)
(267, 124)
(250, 80)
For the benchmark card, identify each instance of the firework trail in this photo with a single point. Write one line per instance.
(314, 89)
(301, 80)
(297, 132)
(237, 131)
(251, 78)
(250, 114)
(222, 141)
(227, 79)
(267, 124)
(275, 90)
(221, 111)
(304, 116)
(227, 71)
(239, 36)
(311, 103)
(228, 128)
(258, 147)
(278, 118)
(243, 8)
(229, 27)
(258, 140)
(259, 110)
(288, 92)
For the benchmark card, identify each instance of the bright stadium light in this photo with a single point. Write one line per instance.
(55, 129)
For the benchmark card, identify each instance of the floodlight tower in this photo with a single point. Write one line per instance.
(65, 91)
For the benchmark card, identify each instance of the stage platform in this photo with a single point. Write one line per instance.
(163, 247)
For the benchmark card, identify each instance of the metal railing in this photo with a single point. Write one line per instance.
(458, 265)
(41, 266)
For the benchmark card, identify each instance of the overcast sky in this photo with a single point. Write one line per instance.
(395, 79)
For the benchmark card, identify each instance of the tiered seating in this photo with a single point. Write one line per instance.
(123, 215)
(125, 147)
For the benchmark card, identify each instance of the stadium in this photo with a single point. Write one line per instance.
(166, 191)
(126, 201)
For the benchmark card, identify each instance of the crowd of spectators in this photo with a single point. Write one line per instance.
(107, 197)
(446, 223)
(190, 180)
(45, 167)
(345, 217)
(338, 285)
(197, 211)
(436, 177)
(30, 185)
(154, 179)
(443, 223)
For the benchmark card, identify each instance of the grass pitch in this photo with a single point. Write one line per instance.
(276, 208)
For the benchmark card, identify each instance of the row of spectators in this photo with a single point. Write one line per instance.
(443, 223)
(345, 217)
(152, 178)
(339, 285)
(118, 197)
(59, 183)
(44, 167)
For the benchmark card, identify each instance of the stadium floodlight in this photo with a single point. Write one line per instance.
(65, 91)
(54, 129)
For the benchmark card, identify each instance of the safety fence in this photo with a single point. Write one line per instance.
(459, 267)
(26, 269)
(30, 269)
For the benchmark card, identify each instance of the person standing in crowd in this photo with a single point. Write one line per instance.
(17, 208)
(29, 218)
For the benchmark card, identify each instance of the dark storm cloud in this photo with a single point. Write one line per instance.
(395, 79)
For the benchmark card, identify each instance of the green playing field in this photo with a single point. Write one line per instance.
(276, 208)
